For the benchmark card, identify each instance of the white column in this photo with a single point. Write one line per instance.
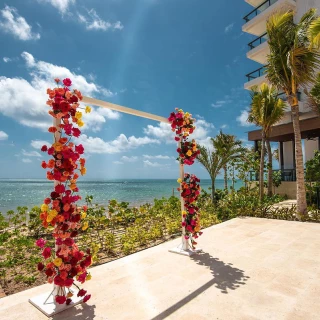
(310, 146)
(184, 241)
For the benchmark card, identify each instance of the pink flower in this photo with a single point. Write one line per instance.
(41, 243)
(67, 82)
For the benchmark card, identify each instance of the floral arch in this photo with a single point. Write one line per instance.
(67, 264)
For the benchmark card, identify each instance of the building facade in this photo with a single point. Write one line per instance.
(255, 24)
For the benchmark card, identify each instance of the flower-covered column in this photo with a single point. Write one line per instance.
(67, 263)
(183, 126)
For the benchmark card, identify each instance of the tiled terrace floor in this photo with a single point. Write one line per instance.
(250, 269)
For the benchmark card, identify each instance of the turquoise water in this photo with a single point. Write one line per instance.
(31, 192)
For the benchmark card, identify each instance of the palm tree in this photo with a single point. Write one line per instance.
(292, 64)
(213, 163)
(266, 110)
(229, 148)
(314, 96)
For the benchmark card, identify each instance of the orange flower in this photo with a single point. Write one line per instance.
(60, 91)
(76, 176)
(51, 164)
(66, 173)
(73, 186)
(57, 146)
(63, 140)
(52, 129)
(82, 162)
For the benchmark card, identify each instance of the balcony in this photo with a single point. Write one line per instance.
(255, 78)
(254, 3)
(258, 49)
(255, 21)
(286, 175)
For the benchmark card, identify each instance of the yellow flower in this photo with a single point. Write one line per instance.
(44, 207)
(189, 153)
(57, 262)
(78, 115)
(88, 109)
(49, 218)
(83, 171)
(57, 146)
(83, 215)
(184, 212)
(179, 180)
(53, 213)
(80, 123)
(88, 277)
(85, 226)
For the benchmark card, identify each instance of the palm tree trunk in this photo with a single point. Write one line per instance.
(213, 189)
(301, 188)
(269, 168)
(261, 178)
(225, 177)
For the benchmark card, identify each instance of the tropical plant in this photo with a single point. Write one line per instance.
(314, 96)
(292, 64)
(276, 179)
(213, 163)
(229, 148)
(266, 110)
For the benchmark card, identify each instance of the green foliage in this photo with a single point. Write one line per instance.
(276, 179)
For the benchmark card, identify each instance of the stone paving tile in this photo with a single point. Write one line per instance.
(251, 269)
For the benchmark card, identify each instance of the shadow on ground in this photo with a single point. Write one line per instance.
(80, 312)
(225, 277)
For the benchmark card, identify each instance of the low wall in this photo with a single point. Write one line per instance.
(288, 188)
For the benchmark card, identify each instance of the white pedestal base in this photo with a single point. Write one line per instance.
(49, 308)
(188, 252)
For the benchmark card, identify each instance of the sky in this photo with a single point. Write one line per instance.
(150, 55)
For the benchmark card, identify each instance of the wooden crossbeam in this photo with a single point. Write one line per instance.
(115, 107)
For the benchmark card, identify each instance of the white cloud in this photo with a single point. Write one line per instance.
(31, 153)
(120, 144)
(146, 156)
(92, 21)
(224, 126)
(37, 144)
(12, 22)
(61, 5)
(164, 133)
(129, 159)
(6, 59)
(117, 162)
(26, 160)
(3, 135)
(242, 119)
(220, 103)
(27, 99)
(228, 28)
(148, 163)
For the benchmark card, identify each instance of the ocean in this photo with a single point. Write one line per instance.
(31, 192)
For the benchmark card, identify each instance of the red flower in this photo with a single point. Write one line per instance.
(59, 188)
(40, 266)
(44, 148)
(43, 164)
(81, 293)
(67, 82)
(86, 298)
(68, 282)
(57, 80)
(61, 299)
(68, 301)
(58, 281)
(68, 242)
(46, 253)
(58, 241)
(52, 129)
(76, 132)
(79, 149)
(50, 151)
(47, 200)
